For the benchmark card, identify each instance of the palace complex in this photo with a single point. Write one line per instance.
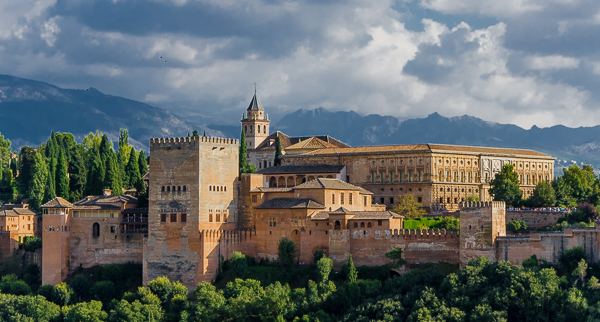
(325, 194)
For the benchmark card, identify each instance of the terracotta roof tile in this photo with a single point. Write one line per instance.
(424, 148)
(24, 211)
(311, 143)
(334, 184)
(287, 141)
(291, 203)
(363, 215)
(266, 189)
(96, 207)
(57, 202)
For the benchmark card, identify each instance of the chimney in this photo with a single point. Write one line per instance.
(107, 192)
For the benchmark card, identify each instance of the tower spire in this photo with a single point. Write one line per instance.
(255, 88)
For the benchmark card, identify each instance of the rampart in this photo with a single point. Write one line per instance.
(189, 141)
(535, 219)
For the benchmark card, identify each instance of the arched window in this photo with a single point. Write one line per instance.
(337, 225)
(178, 188)
(168, 188)
(245, 128)
(362, 225)
(173, 188)
(162, 189)
(184, 188)
(369, 225)
(250, 129)
(258, 129)
(225, 188)
(265, 164)
(355, 225)
(96, 230)
(265, 129)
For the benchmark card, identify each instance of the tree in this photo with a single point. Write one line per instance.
(245, 167)
(472, 198)
(209, 303)
(26, 166)
(324, 265)
(408, 207)
(239, 264)
(204, 134)
(195, 134)
(142, 164)
(27, 308)
(505, 186)
(543, 195)
(318, 254)
(580, 180)
(563, 193)
(85, 312)
(396, 255)
(286, 250)
(37, 184)
(77, 174)
(95, 175)
(278, 152)
(352, 272)
(132, 172)
(569, 258)
(62, 176)
(113, 178)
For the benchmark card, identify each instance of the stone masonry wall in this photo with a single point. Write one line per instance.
(534, 219)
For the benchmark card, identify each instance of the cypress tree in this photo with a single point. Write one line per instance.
(77, 174)
(95, 175)
(142, 163)
(132, 171)
(195, 134)
(38, 179)
(243, 152)
(62, 188)
(51, 152)
(26, 164)
(112, 179)
(278, 152)
(123, 154)
(204, 135)
(352, 272)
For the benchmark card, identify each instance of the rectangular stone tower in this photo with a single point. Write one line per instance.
(193, 188)
(480, 224)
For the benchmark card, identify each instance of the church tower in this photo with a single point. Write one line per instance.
(255, 123)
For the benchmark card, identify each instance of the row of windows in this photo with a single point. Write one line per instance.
(263, 164)
(173, 217)
(369, 224)
(217, 217)
(95, 214)
(217, 188)
(410, 161)
(28, 218)
(9, 228)
(57, 228)
(454, 162)
(257, 129)
(342, 200)
(412, 177)
(459, 177)
(461, 190)
(174, 189)
(382, 200)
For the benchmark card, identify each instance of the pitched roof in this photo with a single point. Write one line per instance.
(93, 200)
(318, 168)
(8, 213)
(287, 141)
(291, 203)
(96, 207)
(24, 211)
(267, 189)
(341, 211)
(361, 215)
(254, 104)
(334, 184)
(57, 202)
(311, 143)
(424, 148)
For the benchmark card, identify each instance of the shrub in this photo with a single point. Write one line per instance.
(286, 249)
(239, 264)
(318, 254)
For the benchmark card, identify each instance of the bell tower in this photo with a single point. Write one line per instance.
(255, 123)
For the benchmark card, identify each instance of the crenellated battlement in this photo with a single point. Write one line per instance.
(405, 233)
(216, 234)
(190, 141)
(482, 204)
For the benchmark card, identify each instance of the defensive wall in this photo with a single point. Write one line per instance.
(534, 219)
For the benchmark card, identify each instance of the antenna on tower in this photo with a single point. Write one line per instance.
(255, 88)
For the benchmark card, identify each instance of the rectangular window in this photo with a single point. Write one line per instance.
(373, 175)
(163, 217)
(392, 176)
(391, 200)
(526, 179)
(454, 176)
(273, 222)
(28, 227)
(183, 217)
(468, 176)
(383, 177)
(410, 176)
(461, 178)
(474, 176)
(342, 198)
(365, 200)
(420, 175)
(440, 176)
(350, 198)
(173, 217)
(401, 176)
(382, 201)
(254, 198)
(333, 198)
(379, 222)
(112, 229)
(419, 199)
(447, 176)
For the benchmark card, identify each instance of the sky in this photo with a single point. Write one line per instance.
(525, 62)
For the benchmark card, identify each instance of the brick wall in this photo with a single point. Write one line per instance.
(534, 219)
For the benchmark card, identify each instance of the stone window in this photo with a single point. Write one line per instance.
(441, 199)
(447, 176)
(419, 199)
(218, 217)
(183, 217)
(254, 198)
(163, 218)
(184, 188)
(439, 175)
(173, 188)
(273, 222)
(392, 176)
(178, 188)
(409, 189)
(441, 189)
(168, 188)
(350, 198)
(210, 218)
(173, 217)
(401, 176)
(336, 226)
(420, 175)
(369, 225)
(265, 129)
(112, 229)
(410, 176)
(333, 198)
(342, 198)
(258, 129)
(382, 200)
(383, 177)
(391, 200)
(448, 200)
(225, 188)
(250, 129)
(461, 177)
(355, 225)
(379, 222)
(365, 200)
(362, 225)
(162, 189)
(95, 230)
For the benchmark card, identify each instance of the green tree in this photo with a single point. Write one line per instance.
(103, 291)
(135, 311)
(204, 134)
(239, 264)
(142, 164)
(505, 186)
(84, 312)
(543, 195)
(245, 167)
(37, 184)
(60, 294)
(318, 254)
(563, 193)
(95, 175)
(324, 266)
(113, 175)
(195, 134)
(132, 172)
(81, 286)
(352, 272)
(472, 198)
(408, 207)
(278, 152)
(26, 165)
(580, 180)
(286, 250)
(77, 174)
(10, 284)
(208, 303)
(27, 309)
(62, 176)
(569, 258)
(396, 255)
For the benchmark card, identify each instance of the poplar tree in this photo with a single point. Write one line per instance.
(352, 272)
(243, 152)
(95, 175)
(132, 172)
(51, 152)
(62, 189)
(278, 152)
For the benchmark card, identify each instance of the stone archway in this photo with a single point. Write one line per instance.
(272, 182)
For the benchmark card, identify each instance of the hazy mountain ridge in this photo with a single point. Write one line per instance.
(30, 110)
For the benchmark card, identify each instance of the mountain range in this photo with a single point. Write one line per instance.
(30, 110)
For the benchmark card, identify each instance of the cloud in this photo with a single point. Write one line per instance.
(551, 62)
